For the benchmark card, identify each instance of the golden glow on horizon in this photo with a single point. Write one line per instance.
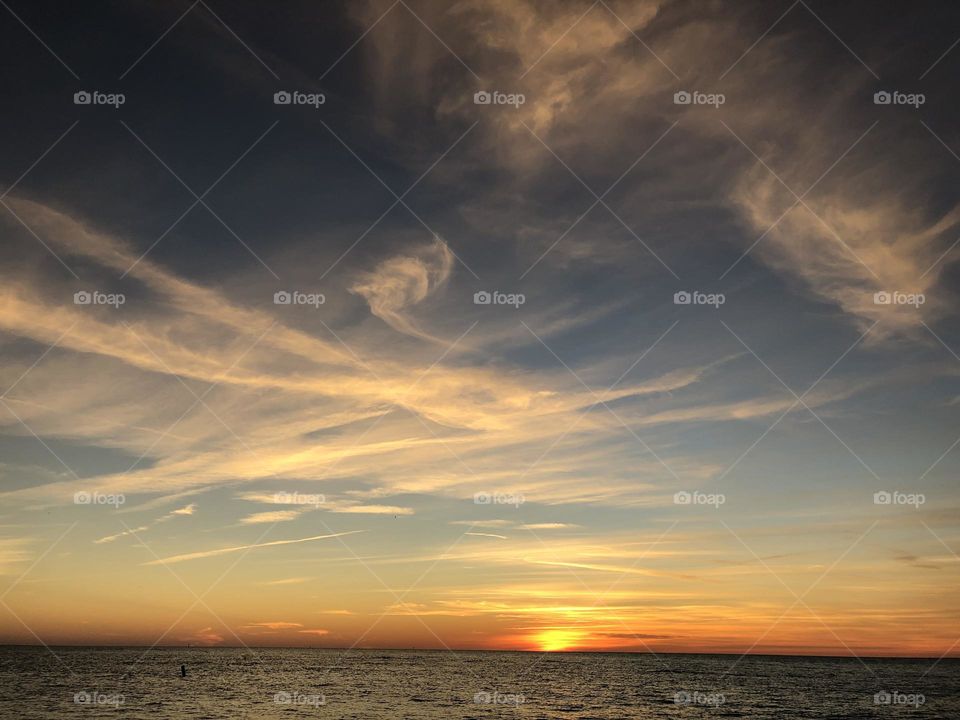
(683, 601)
(557, 639)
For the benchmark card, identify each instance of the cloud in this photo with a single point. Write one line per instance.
(272, 517)
(483, 523)
(13, 551)
(848, 241)
(267, 498)
(192, 333)
(224, 551)
(204, 636)
(599, 567)
(280, 389)
(161, 500)
(400, 282)
(925, 563)
(492, 535)
(634, 636)
(873, 220)
(117, 536)
(180, 512)
(373, 510)
(335, 506)
(275, 625)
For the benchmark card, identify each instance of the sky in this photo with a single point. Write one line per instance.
(543, 326)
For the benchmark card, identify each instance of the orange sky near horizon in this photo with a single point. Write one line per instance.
(497, 592)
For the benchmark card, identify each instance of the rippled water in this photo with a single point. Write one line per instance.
(290, 683)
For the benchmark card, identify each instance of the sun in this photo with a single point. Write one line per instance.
(558, 639)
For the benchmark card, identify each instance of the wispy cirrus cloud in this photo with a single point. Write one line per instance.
(274, 625)
(288, 581)
(373, 510)
(490, 535)
(272, 516)
(239, 548)
(183, 452)
(399, 283)
(179, 512)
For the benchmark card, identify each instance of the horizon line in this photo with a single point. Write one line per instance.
(940, 658)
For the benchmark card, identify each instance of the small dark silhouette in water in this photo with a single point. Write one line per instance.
(183, 671)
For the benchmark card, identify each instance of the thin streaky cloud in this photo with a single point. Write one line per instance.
(239, 548)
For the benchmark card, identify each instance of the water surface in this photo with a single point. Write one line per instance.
(291, 683)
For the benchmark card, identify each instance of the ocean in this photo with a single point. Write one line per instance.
(292, 683)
